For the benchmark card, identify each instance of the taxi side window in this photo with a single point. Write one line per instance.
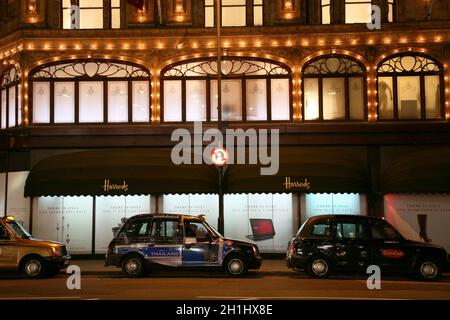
(3, 233)
(350, 230)
(137, 229)
(321, 229)
(166, 231)
(198, 230)
(382, 231)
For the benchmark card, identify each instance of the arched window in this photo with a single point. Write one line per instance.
(10, 99)
(334, 89)
(91, 91)
(410, 86)
(252, 90)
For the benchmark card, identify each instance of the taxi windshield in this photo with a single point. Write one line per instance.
(214, 231)
(18, 230)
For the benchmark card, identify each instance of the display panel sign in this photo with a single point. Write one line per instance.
(112, 213)
(268, 220)
(64, 219)
(329, 203)
(420, 217)
(192, 204)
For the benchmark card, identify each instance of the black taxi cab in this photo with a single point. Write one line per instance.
(330, 243)
(177, 241)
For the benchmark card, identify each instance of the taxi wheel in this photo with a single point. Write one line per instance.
(133, 266)
(318, 267)
(428, 269)
(33, 267)
(236, 265)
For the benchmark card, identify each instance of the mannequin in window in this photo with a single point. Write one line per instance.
(436, 113)
(386, 98)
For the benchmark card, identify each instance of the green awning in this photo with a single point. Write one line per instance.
(118, 172)
(305, 169)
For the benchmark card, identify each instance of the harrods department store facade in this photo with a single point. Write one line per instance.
(87, 115)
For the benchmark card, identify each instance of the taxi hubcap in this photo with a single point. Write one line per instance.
(319, 267)
(132, 266)
(235, 266)
(429, 269)
(33, 267)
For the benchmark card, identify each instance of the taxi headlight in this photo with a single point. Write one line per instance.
(255, 250)
(57, 252)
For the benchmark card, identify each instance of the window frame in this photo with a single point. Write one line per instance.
(391, 4)
(350, 3)
(322, 6)
(422, 75)
(248, 22)
(346, 77)
(243, 79)
(16, 83)
(104, 7)
(85, 78)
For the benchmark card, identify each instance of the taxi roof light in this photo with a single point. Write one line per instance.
(10, 218)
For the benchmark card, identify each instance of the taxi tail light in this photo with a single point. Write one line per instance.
(292, 247)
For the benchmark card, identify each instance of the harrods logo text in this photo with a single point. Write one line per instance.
(292, 184)
(107, 186)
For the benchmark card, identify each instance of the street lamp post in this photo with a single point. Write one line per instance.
(220, 169)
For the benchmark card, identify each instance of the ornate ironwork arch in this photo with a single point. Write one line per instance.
(91, 69)
(333, 64)
(410, 62)
(11, 76)
(231, 66)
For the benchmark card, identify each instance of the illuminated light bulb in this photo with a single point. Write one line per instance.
(89, 56)
(77, 47)
(30, 46)
(354, 41)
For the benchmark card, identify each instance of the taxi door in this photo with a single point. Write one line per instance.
(164, 245)
(8, 254)
(351, 243)
(200, 247)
